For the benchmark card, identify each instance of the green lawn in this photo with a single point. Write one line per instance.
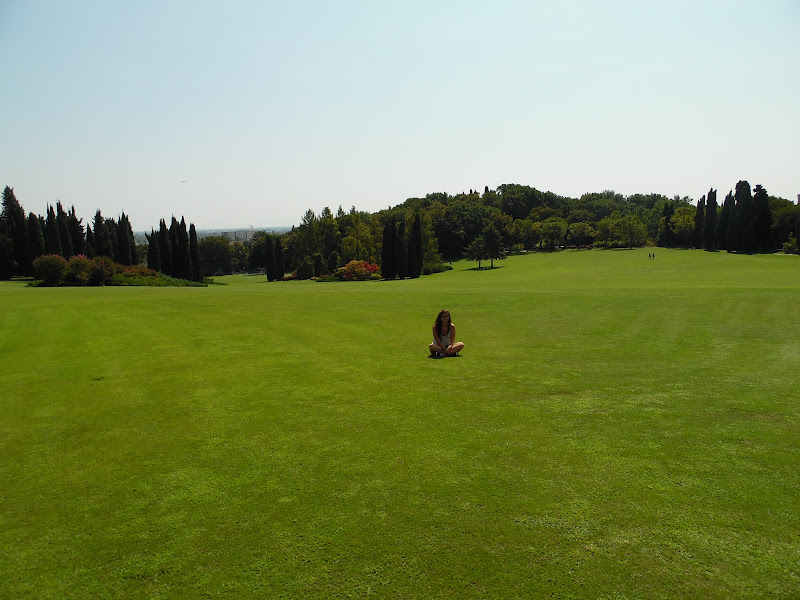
(616, 428)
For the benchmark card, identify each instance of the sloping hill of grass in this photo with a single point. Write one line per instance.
(616, 428)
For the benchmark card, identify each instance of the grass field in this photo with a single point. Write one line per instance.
(616, 428)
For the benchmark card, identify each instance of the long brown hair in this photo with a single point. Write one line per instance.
(438, 323)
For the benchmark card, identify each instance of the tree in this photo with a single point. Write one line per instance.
(124, 241)
(389, 250)
(725, 217)
(476, 250)
(194, 255)
(762, 219)
(153, 255)
(401, 250)
(164, 248)
(632, 230)
(35, 240)
(13, 224)
(493, 244)
(89, 243)
(553, 230)
(699, 223)
(52, 239)
(415, 249)
(745, 229)
(76, 233)
(102, 237)
(63, 231)
(183, 265)
(280, 268)
(215, 255)
(666, 233)
(710, 222)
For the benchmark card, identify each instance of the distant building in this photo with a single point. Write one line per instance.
(243, 235)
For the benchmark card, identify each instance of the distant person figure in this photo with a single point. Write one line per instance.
(648, 256)
(444, 337)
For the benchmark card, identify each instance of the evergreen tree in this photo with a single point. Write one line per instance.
(279, 264)
(153, 255)
(183, 265)
(401, 250)
(35, 240)
(476, 250)
(725, 215)
(6, 255)
(111, 230)
(52, 241)
(124, 240)
(76, 233)
(268, 258)
(63, 231)
(412, 255)
(745, 231)
(333, 262)
(415, 266)
(173, 246)
(164, 248)
(194, 255)
(710, 224)
(762, 219)
(699, 222)
(103, 245)
(388, 250)
(493, 243)
(15, 227)
(666, 234)
(89, 243)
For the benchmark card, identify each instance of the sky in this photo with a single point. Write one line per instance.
(248, 113)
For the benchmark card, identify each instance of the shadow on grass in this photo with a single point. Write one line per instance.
(443, 357)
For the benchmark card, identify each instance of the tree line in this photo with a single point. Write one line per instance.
(24, 238)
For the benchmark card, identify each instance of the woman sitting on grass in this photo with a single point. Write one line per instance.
(444, 337)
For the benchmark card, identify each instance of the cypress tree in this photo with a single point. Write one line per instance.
(173, 246)
(412, 255)
(278, 255)
(731, 237)
(710, 224)
(388, 250)
(89, 244)
(401, 250)
(183, 265)
(416, 229)
(153, 255)
(52, 241)
(164, 248)
(124, 239)
(103, 245)
(699, 223)
(745, 231)
(63, 231)
(15, 227)
(35, 239)
(194, 255)
(666, 235)
(269, 258)
(76, 231)
(762, 217)
(723, 220)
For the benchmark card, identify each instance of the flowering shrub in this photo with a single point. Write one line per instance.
(78, 269)
(50, 269)
(357, 270)
(101, 271)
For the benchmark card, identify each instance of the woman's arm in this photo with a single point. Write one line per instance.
(452, 335)
(436, 338)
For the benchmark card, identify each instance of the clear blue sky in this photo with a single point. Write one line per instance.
(269, 108)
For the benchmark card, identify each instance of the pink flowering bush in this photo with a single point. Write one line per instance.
(78, 269)
(357, 270)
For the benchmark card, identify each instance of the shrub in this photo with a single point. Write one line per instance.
(101, 271)
(305, 270)
(78, 269)
(357, 270)
(50, 269)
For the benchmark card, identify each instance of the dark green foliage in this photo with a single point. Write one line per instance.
(280, 268)
(319, 264)
(13, 224)
(333, 262)
(710, 222)
(699, 222)
(52, 239)
(493, 243)
(6, 256)
(50, 269)
(75, 226)
(389, 250)
(173, 247)
(183, 264)
(194, 255)
(305, 269)
(401, 250)
(215, 255)
(666, 234)
(103, 245)
(153, 254)
(63, 232)
(723, 220)
(762, 219)
(101, 271)
(476, 250)
(35, 240)
(89, 245)
(164, 248)
(78, 270)
(124, 241)
(744, 229)
(731, 237)
(415, 250)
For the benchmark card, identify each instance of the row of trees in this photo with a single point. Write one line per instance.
(23, 239)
